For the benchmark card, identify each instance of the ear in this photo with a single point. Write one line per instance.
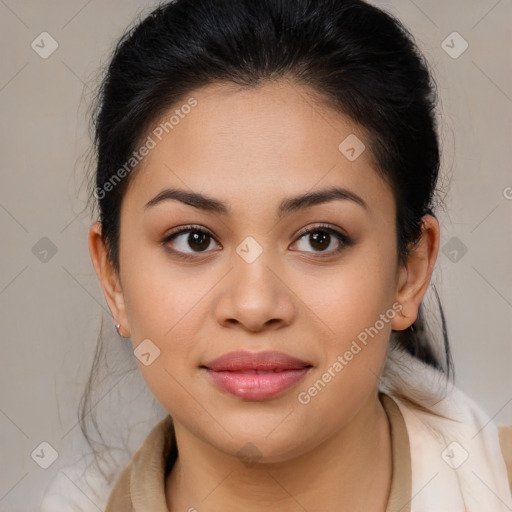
(414, 276)
(108, 277)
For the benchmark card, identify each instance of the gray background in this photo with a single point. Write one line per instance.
(51, 310)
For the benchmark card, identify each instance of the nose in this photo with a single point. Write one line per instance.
(255, 297)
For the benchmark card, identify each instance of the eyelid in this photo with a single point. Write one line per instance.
(187, 227)
(321, 226)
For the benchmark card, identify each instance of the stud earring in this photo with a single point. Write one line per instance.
(117, 329)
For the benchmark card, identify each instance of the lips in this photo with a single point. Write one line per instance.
(256, 376)
(250, 362)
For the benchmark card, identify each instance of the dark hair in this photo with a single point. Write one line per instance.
(358, 59)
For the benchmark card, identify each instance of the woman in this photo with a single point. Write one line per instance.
(266, 176)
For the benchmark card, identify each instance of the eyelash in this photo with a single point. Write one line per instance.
(344, 240)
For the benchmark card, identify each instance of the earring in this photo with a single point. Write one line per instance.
(117, 329)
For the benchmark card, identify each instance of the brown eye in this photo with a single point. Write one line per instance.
(188, 241)
(198, 240)
(321, 238)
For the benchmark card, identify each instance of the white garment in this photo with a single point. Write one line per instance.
(457, 464)
(76, 489)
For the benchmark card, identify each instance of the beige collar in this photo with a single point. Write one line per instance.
(142, 482)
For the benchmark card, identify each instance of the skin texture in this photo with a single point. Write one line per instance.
(252, 148)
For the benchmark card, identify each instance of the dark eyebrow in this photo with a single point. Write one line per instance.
(321, 196)
(194, 199)
(286, 207)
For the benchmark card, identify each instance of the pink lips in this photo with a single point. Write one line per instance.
(256, 376)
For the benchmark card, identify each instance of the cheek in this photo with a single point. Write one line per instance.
(352, 295)
(358, 309)
(159, 294)
(164, 308)
(166, 305)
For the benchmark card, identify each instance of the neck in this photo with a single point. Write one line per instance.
(333, 475)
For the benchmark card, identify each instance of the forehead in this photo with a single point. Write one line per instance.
(276, 139)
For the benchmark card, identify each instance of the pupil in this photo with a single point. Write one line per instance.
(321, 238)
(199, 239)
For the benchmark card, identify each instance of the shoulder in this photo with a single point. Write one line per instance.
(82, 487)
(454, 445)
(78, 487)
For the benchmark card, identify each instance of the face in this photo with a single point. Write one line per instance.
(316, 280)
